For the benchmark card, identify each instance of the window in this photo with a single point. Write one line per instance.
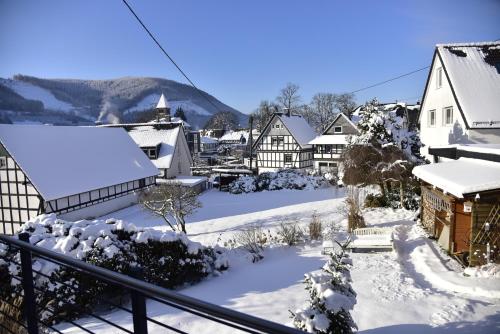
(288, 158)
(328, 148)
(439, 77)
(432, 118)
(448, 116)
(274, 141)
(152, 153)
(3, 162)
(337, 129)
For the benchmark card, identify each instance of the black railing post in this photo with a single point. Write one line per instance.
(27, 283)
(139, 312)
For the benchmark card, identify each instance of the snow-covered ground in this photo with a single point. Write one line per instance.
(397, 292)
(32, 92)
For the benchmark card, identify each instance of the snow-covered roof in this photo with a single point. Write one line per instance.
(462, 176)
(185, 180)
(162, 103)
(329, 139)
(208, 140)
(299, 128)
(481, 148)
(66, 160)
(235, 135)
(475, 80)
(147, 136)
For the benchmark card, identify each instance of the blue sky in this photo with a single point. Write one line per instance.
(243, 51)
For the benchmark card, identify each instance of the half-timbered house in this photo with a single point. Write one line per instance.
(460, 203)
(284, 143)
(75, 172)
(328, 148)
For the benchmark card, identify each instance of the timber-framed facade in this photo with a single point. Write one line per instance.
(283, 144)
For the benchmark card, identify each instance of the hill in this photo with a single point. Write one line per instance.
(72, 101)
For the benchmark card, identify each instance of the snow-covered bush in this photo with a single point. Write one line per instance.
(331, 298)
(252, 239)
(244, 184)
(315, 227)
(283, 179)
(168, 259)
(290, 233)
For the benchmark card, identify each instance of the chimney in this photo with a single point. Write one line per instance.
(163, 109)
(287, 111)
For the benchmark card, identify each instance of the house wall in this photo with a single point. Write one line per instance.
(101, 209)
(19, 200)
(347, 127)
(181, 159)
(271, 157)
(437, 99)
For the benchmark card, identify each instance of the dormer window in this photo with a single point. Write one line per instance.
(337, 129)
(151, 152)
(439, 77)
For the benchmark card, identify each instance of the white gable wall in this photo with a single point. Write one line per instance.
(437, 99)
(181, 159)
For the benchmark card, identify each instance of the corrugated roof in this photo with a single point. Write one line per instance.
(147, 136)
(475, 80)
(66, 160)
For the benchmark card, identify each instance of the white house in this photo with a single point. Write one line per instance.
(284, 143)
(165, 145)
(76, 172)
(328, 148)
(461, 101)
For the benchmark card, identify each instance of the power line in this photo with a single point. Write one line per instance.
(167, 55)
(389, 80)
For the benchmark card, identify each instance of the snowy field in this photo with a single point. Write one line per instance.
(398, 292)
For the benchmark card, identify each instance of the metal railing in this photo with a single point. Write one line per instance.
(139, 291)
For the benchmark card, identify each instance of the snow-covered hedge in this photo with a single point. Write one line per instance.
(331, 299)
(283, 179)
(168, 259)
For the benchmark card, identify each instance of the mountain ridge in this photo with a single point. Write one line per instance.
(124, 99)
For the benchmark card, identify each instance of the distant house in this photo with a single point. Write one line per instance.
(407, 112)
(208, 144)
(284, 143)
(166, 147)
(461, 99)
(328, 148)
(75, 172)
(236, 138)
(460, 204)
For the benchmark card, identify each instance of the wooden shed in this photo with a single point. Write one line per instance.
(461, 207)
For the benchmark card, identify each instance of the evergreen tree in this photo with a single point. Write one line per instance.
(179, 112)
(331, 298)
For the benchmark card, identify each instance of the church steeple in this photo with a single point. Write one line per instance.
(163, 109)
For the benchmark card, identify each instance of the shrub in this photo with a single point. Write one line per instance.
(331, 298)
(376, 201)
(252, 239)
(315, 228)
(354, 216)
(283, 179)
(290, 233)
(168, 259)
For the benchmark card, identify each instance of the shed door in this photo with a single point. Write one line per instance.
(461, 236)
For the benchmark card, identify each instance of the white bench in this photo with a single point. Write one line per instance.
(367, 239)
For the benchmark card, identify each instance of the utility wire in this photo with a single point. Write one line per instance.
(389, 80)
(167, 55)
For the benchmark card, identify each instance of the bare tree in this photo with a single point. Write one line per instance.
(323, 110)
(345, 103)
(263, 114)
(289, 96)
(171, 201)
